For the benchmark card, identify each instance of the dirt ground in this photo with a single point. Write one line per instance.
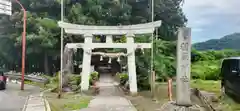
(145, 102)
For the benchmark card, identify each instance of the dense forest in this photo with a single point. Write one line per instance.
(43, 34)
(227, 42)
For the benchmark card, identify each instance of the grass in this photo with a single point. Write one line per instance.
(41, 85)
(227, 104)
(207, 85)
(69, 101)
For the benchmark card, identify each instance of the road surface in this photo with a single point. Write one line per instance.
(13, 99)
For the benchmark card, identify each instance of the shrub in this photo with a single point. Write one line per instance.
(74, 81)
(93, 77)
(142, 81)
(206, 70)
(123, 78)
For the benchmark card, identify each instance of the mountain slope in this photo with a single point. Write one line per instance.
(231, 41)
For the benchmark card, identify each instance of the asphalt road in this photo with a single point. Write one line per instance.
(13, 99)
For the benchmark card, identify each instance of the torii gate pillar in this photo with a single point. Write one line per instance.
(131, 65)
(86, 69)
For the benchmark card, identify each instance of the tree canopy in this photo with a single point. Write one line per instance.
(43, 34)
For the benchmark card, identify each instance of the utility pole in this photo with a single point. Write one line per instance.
(152, 51)
(23, 43)
(61, 64)
(6, 9)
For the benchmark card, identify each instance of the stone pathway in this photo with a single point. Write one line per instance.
(35, 103)
(110, 97)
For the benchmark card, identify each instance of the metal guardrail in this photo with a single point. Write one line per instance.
(30, 78)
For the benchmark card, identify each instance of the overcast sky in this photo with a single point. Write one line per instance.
(212, 19)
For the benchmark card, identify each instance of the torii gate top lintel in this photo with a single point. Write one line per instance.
(145, 28)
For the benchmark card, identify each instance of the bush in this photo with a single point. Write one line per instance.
(74, 81)
(93, 77)
(142, 82)
(123, 78)
(206, 70)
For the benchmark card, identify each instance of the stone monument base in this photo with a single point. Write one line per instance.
(172, 106)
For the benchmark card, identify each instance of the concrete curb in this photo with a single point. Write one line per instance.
(130, 103)
(47, 105)
(36, 102)
(25, 104)
(41, 95)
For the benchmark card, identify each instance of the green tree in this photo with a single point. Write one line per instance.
(43, 37)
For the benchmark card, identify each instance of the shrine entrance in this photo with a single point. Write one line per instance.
(88, 33)
(107, 64)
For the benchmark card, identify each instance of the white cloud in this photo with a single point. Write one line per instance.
(197, 30)
(221, 6)
(213, 16)
(202, 10)
(200, 22)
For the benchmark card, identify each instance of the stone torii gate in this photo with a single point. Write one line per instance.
(89, 31)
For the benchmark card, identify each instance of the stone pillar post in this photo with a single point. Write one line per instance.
(183, 67)
(109, 39)
(131, 64)
(86, 65)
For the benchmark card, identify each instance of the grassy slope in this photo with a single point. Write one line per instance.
(210, 70)
(214, 86)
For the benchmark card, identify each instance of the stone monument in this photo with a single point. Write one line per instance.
(183, 94)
